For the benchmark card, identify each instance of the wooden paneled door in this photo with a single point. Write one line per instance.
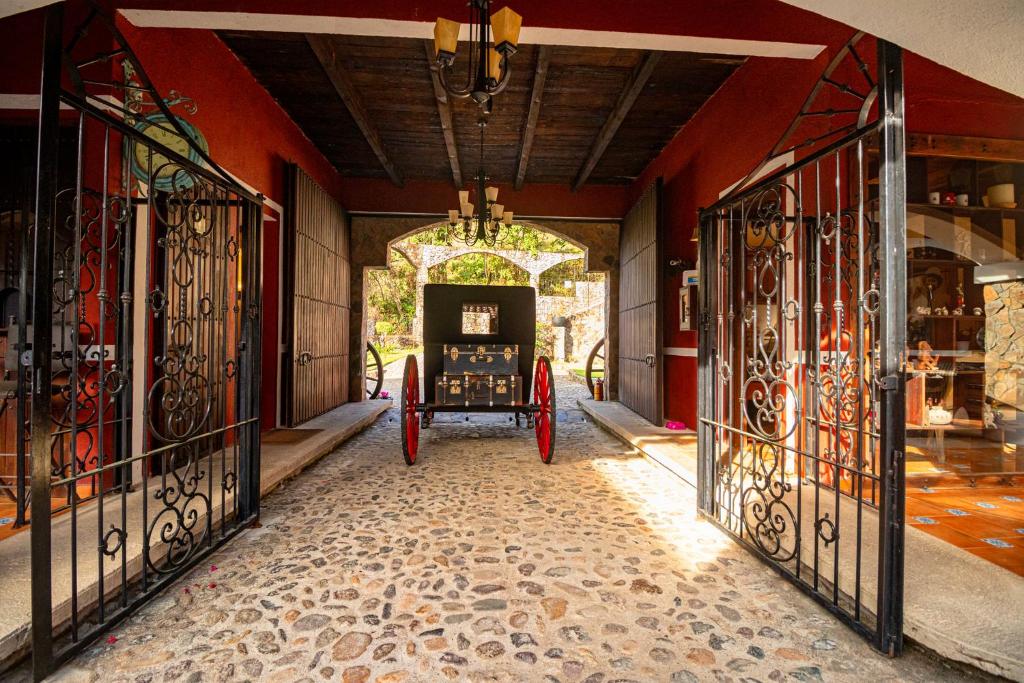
(316, 363)
(640, 373)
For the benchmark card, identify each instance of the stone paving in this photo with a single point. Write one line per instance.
(482, 564)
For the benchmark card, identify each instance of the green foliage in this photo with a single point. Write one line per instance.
(391, 296)
(515, 237)
(545, 340)
(479, 269)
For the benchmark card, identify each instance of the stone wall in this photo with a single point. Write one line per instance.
(1004, 345)
(372, 236)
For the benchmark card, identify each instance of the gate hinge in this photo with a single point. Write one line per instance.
(889, 382)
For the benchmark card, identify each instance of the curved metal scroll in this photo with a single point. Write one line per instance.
(851, 116)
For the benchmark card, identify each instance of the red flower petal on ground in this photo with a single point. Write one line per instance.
(213, 567)
(213, 585)
(111, 639)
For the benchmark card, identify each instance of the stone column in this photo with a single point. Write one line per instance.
(611, 335)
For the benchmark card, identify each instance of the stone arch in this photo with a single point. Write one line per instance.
(372, 236)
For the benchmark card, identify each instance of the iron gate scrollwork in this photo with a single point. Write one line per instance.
(801, 337)
(144, 343)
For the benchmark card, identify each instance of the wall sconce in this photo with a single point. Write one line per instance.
(678, 265)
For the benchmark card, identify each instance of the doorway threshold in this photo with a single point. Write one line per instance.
(956, 604)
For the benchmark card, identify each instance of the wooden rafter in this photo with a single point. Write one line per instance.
(540, 74)
(324, 51)
(638, 79)
(444, 110)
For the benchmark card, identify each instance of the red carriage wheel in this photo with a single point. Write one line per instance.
(544, 400)
(410, 419)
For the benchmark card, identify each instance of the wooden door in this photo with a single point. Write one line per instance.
(317, 301)
(640, 374)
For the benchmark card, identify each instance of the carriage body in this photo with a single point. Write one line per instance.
(472, 316)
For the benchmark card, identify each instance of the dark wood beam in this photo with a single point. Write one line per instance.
(637, 80)
(540, 74)
(444, 110)
(324, 51)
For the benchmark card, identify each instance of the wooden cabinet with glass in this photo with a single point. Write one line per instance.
(965, 302)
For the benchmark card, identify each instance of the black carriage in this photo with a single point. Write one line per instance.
(478, 348)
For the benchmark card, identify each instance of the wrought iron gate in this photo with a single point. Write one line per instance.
(801, 341)
(143, 343)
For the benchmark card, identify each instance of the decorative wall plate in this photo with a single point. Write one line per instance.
(159, 129)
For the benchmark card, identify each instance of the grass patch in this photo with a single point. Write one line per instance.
(389, 357)
(582, 372)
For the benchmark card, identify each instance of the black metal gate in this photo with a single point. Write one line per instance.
(141, 346)
(802, 335)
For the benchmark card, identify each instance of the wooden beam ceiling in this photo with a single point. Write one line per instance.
(444, 110)
(373, 107)
(629, 95)
(324, 51)
(540, 75)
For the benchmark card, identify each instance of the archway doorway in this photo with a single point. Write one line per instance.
(570, 300)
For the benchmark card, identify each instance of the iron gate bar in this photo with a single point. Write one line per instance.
(834, 381)
(215, 297)
(893, 205)
(45, 213)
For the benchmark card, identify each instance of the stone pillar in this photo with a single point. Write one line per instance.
(422, 276)
(611, 335)
(357, 335)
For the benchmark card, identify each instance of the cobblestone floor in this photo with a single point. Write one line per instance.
(482, 564)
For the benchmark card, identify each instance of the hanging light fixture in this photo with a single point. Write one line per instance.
(483, 226)
(488, 67)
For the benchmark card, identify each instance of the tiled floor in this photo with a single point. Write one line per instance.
(985, 521)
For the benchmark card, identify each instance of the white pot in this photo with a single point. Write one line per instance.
(1000, 194)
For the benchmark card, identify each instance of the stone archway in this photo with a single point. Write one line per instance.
(434, 255)
(373, 235)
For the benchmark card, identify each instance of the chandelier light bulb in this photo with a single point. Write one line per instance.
(507, 218)
(496, 211)
(463, 197)
(492, 194)
(453, 216)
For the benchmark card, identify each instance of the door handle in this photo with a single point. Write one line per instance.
(305, 358)
(649, 360)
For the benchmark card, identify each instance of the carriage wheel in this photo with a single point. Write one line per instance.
(374, 372)
(544, 399)
(595, 364)
(410, 420)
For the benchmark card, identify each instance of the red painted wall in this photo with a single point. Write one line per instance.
(741, 123)
(249, 135)
(593, 201)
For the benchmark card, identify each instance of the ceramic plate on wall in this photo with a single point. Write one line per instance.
(157, 128)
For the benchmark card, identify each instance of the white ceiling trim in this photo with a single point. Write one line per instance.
(535, 35)
(11, 7)
(981, 38)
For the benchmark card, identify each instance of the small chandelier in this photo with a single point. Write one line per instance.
(484, 226)
(488, 67)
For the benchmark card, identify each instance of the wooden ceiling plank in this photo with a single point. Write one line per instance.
(540, 75)
(325, 54)
(638, 80)
(444, 110)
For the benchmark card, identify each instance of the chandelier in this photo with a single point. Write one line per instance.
(488, 68)
(484, 226)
